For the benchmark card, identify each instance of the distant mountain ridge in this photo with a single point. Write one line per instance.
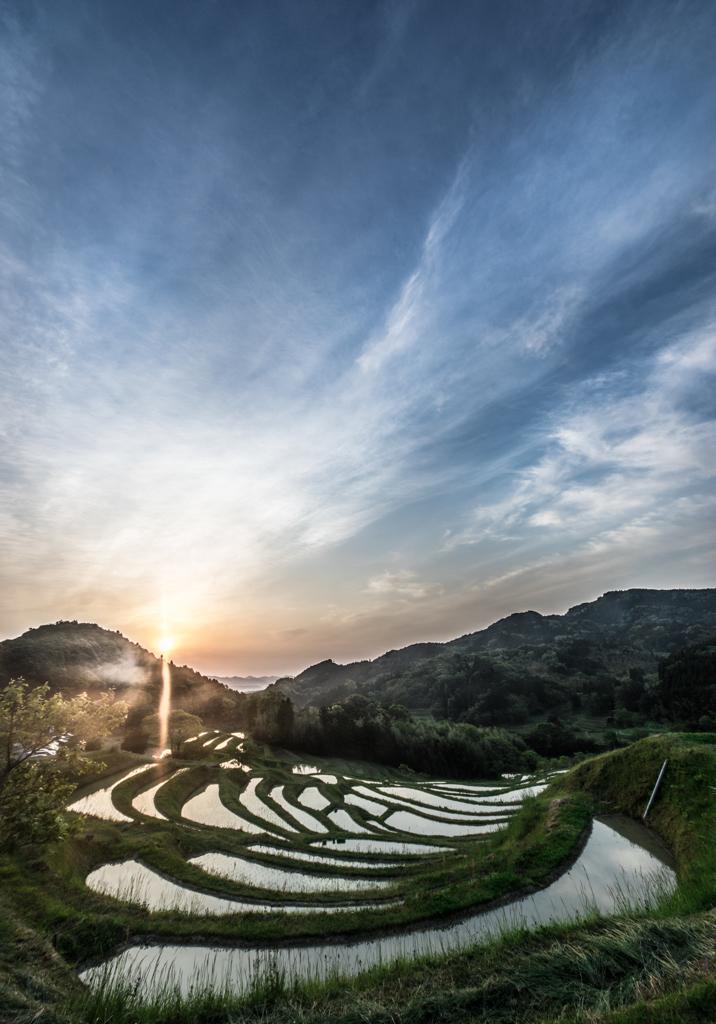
(541, 659)
(644, 624)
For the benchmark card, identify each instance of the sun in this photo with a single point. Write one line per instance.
(166, 644)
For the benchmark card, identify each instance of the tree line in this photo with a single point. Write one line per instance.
(367, 730)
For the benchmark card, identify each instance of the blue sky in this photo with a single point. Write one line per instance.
(330, 327)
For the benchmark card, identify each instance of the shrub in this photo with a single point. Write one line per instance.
(136, 741)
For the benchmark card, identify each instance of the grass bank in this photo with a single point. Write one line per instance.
(684, 812)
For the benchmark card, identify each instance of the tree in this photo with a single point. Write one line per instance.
(180, 726)
(687, 682)
(269, 717)
(34, 792)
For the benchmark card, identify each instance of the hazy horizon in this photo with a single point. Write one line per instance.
(333, 328)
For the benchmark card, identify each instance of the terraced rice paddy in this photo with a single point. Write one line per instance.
(382, 847)
(144, 801)
(235, 764)
(415, 824)
(314, 858)
(136, 883)
(254, 805)
(358, 848)
(238, 869)
(344, 822)
(302, 817)
(619, 864)
(206, 808)
(404, 793)
(371, 806)
(98, 801)
(271, 834)
(312, 797)
(386, 816)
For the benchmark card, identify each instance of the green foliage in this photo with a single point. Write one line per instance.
(554, 739)
(269, 717)
(33, 801)
(135, 740)
(181, 726)
(386, 734)
(33, 793)
(693, 1005)
(687, 682)
(29, 721)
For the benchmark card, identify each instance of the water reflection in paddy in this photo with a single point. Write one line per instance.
(264, 876)
(406, 821)
(380, 846)
(610, 863)
(302, 817)
(313, 798)
(372, 806)
(206, 808)
(403, 793)
(256, 806)
(144, 800)
(342, 819)
(467, 787)
(97, 798)
(315, 858)
(136, 883)
(478, 811)
(512, 796)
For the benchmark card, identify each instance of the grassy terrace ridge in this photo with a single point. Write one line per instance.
(597, 971)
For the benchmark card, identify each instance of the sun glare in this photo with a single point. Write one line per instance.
(166, 644)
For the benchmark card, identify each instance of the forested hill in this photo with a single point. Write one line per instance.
(600, 658)
(620, 631)
(81, 656)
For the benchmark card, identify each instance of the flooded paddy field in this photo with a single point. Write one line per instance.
(334, 852)
(620, 865)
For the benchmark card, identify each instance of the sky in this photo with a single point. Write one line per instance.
(332, 327)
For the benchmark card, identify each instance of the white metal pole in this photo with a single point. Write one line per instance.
(658, 781)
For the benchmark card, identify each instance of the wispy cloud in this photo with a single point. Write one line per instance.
(267, 320)
(612, 461)
(403, 582)
(411, 317)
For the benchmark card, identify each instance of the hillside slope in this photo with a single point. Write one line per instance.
(621, 629)
(81, 656)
